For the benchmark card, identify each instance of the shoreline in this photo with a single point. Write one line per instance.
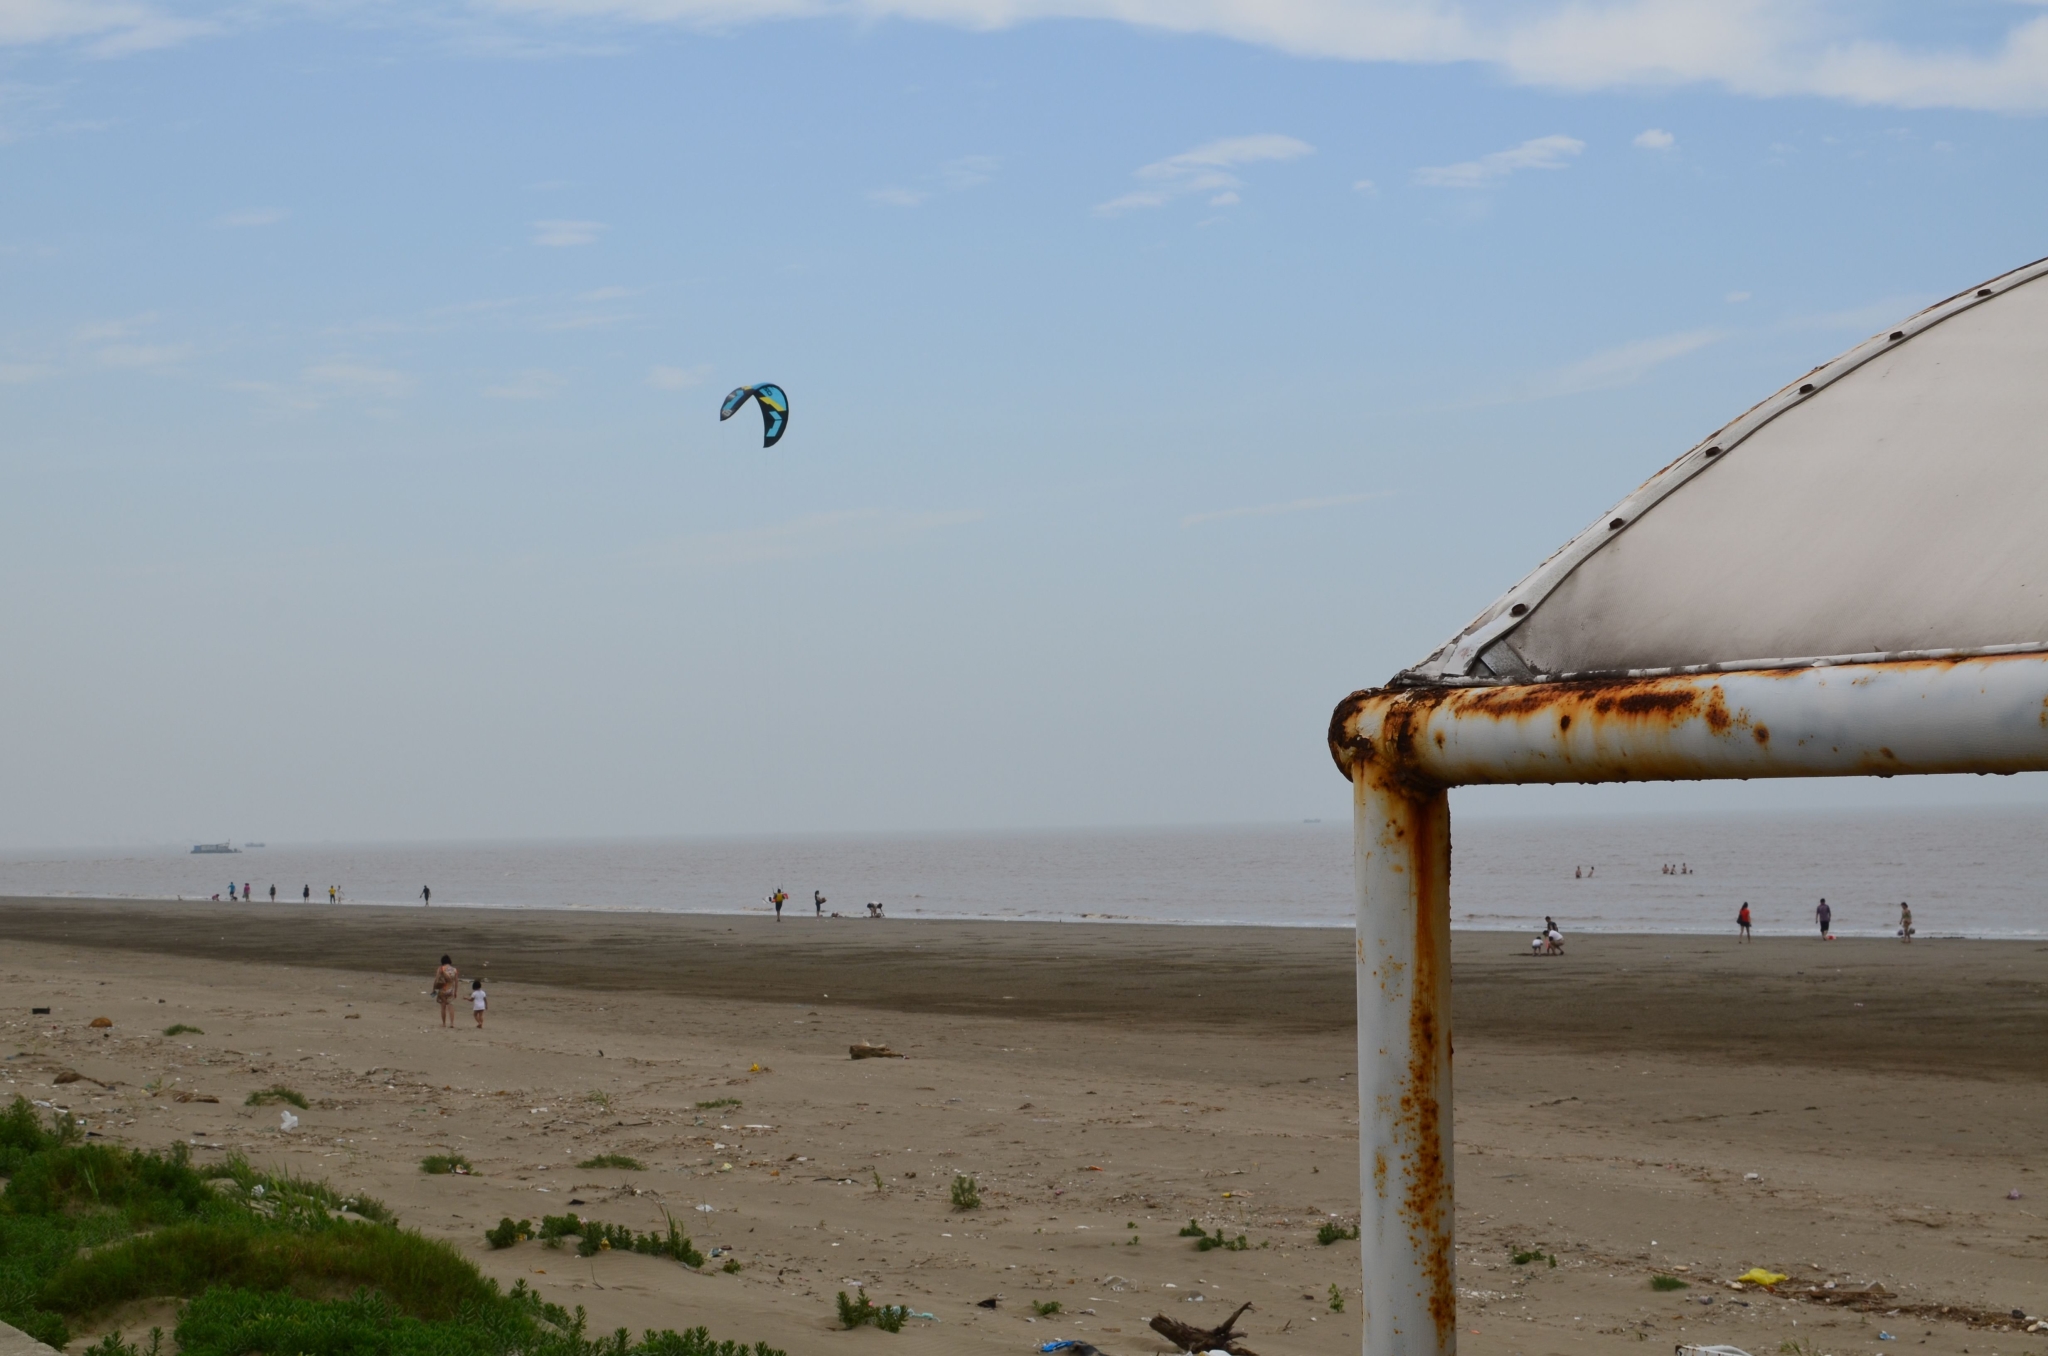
(1022, 920)
(1863, 1002)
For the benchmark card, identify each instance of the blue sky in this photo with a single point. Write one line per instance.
(1159, 374)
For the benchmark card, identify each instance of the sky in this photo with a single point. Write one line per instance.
(1159, 374)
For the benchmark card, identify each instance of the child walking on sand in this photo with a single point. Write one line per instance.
(476, 1001)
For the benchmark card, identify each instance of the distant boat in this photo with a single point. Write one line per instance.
(215, 847)
(250, 845)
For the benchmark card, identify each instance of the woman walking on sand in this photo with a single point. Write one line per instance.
(1742, 921)
(1825, 916)
(446, 978)
(1905, 921)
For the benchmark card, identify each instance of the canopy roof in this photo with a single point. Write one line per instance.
(1889, 504)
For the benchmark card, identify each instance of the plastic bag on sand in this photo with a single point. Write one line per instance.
(1711, 1351)
(1758, 1276)
(290, 1122)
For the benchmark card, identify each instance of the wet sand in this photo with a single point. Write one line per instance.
(1611, 1106)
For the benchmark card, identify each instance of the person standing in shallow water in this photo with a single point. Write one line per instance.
(1905, 921)
(1826, 917)
(446, 978)
(426, 896)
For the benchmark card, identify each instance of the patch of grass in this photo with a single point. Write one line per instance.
(439, 1165)
(1336, 1299)
(732, 1266)
(625, 1161)
(594, 1236)
(855, 1313)
(112, 1345)
(176, 1029)
(717, 1102)
(1335, 1233)
(966, 1193)
(1210, 1242)
(261, 1257)
(279, 1093)
(507, 1233)
(1193, 1230)
(1045, 1308)
(602, 1100)
(1522, 1257)
(1661, 1282)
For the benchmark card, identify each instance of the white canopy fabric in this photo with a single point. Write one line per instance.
(1891, 503)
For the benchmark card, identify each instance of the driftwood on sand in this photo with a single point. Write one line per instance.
(1186, 1336)
(863, 1050)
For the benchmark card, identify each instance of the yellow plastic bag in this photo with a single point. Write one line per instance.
(1758, 1276)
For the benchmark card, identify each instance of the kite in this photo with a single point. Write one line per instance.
(774, 409)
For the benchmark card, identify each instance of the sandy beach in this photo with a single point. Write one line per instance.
(1849, 1112)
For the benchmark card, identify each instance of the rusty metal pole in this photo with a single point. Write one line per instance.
(1403, 858)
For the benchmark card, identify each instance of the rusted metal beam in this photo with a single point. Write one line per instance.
(1985, 714)
(1403, 859)
(1403, 748)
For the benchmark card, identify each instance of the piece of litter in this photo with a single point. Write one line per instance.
(1886, 1337)
(1758, 1276)
(707, 1209)
(288, 1122)
(1752, 1177)
(2013, 1195)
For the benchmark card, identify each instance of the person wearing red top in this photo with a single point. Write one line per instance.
(1742, 920)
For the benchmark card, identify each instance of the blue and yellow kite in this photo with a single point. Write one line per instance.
(774, 409)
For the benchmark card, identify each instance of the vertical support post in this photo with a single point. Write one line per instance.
(1403, 859)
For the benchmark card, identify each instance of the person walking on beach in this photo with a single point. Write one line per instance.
(331, 892)
(246, 896)
(818, 902)
(1826, 916)
(231, 891)
(446, 978)
(306, 893)
(1742, 921)
(476, 1001)
(1905, 921)
(426, 896)
(778, 899)
(273, 894)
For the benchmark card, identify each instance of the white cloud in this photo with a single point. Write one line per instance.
(969, 171)
(358, 378)
(1538, 153)
(1365, 186)
(567, 232)
(1290, 506)
(1763, 48)
(955, 176)
(814, 534)
(255, 216)
(1622, 365)
(1654, 139)
(142, 355)
(1733, 297)
(678, 378)
(107, 27)
(1873, 315)
(535, 383)
(897, 197)
(1205, 169)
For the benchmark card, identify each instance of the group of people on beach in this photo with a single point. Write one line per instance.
(1825, 917)
(1550, 941)
(447, 984)
(818, 901)
(247, 892)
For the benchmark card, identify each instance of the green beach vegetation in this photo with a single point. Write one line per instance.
(440, 1164)
(626, 1161)
(260, 1259)
(280, 1093)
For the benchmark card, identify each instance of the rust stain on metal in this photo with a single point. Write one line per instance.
(1718, 719)
(1426, 1199)
(1379, 1173)
(1762, 734)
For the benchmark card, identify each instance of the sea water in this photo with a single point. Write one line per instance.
(1967, 872)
